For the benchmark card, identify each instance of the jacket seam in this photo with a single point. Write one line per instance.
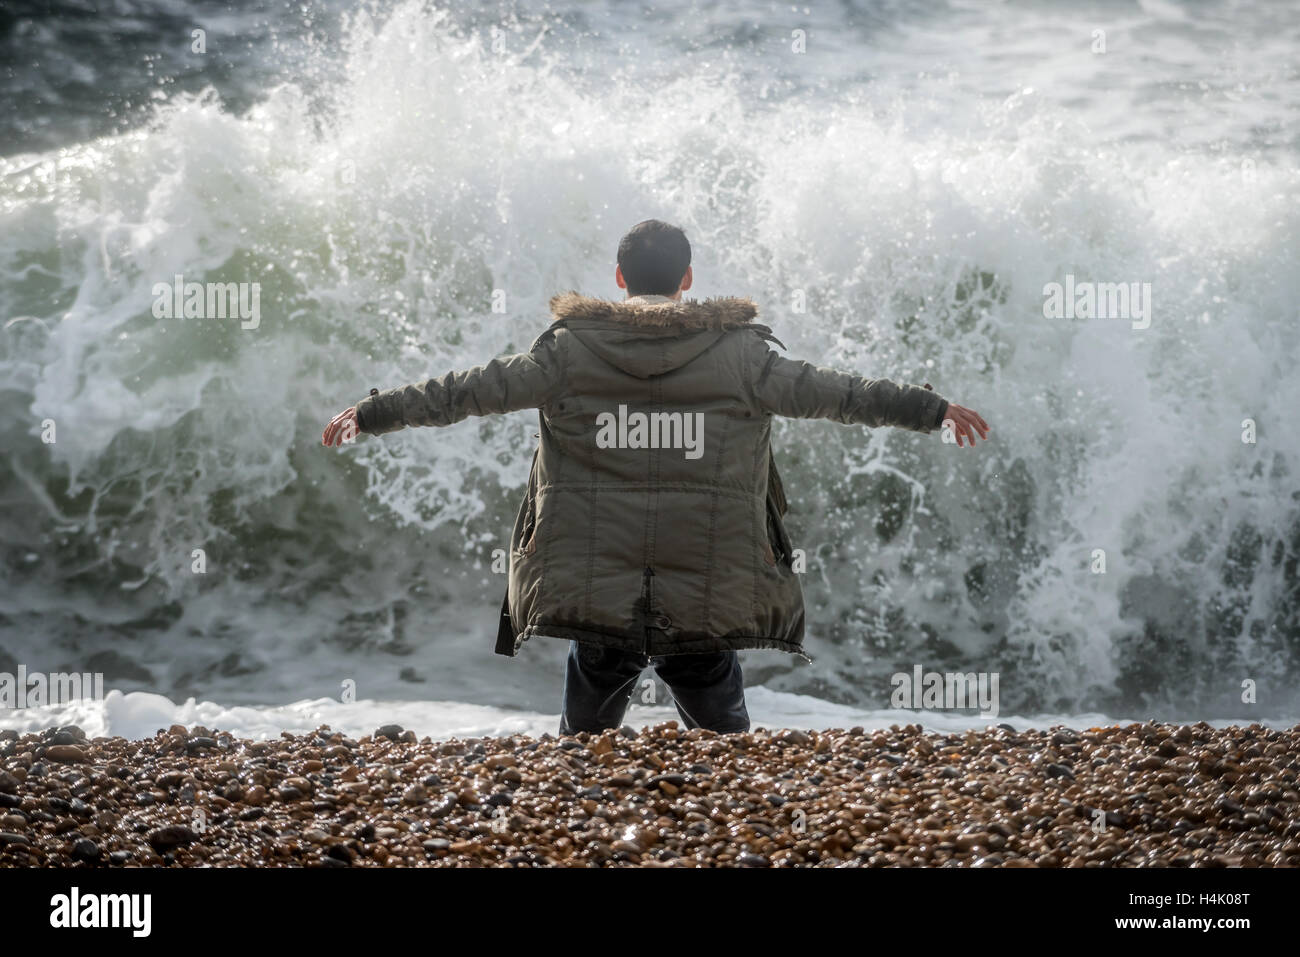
(710, 543)
(591, 545)
(749, 380)
(648, 533)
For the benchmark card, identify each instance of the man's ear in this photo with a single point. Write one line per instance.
(687, 279)
(618, 277)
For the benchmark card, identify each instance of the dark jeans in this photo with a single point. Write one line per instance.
(708, 689)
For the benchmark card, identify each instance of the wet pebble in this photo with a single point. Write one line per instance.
(661, 796)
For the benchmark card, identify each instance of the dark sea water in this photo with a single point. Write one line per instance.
(914, 172)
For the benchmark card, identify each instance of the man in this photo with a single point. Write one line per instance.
(652, 529)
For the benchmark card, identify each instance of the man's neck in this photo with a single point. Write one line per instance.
(651, 297)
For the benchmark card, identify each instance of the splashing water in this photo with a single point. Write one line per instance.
(890, 223)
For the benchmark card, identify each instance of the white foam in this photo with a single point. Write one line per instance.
(438, 171)
(138, 715)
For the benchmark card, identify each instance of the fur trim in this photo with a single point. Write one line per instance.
(721, 313)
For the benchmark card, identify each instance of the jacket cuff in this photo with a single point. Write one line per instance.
(933, 409)
(365, 412)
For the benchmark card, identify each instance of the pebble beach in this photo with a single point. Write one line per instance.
(1139, 795)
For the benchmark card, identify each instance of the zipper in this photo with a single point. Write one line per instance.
(647, 599)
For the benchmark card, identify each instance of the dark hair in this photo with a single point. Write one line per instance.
(654, 257)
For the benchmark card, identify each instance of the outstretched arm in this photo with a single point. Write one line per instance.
(523, 381)
(797, 389)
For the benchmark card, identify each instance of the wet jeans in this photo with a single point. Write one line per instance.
(708, 689)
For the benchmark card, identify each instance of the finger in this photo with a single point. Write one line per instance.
(332, 430)
(974, 418)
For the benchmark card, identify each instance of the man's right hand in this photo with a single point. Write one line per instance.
(342, 428)
(965, 422)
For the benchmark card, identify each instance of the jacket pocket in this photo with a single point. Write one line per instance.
(526, 521)
(775, 488)
(527, 538)
(779, 547)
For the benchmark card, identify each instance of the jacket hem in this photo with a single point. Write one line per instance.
(656, 648)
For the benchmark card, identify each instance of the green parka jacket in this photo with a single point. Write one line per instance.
(653, 520)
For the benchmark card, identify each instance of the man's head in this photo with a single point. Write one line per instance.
(654, 259)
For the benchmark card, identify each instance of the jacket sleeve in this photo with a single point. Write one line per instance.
(527, 380)
(800, 390)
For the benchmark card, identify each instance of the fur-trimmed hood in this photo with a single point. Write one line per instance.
(726, 312)
(652, 335)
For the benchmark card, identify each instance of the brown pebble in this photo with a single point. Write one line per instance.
(65, 754)
(898, 797)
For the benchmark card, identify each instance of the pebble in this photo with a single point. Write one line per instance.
(166, 838)
(415, 794)
(65, 754)
(663, 796)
